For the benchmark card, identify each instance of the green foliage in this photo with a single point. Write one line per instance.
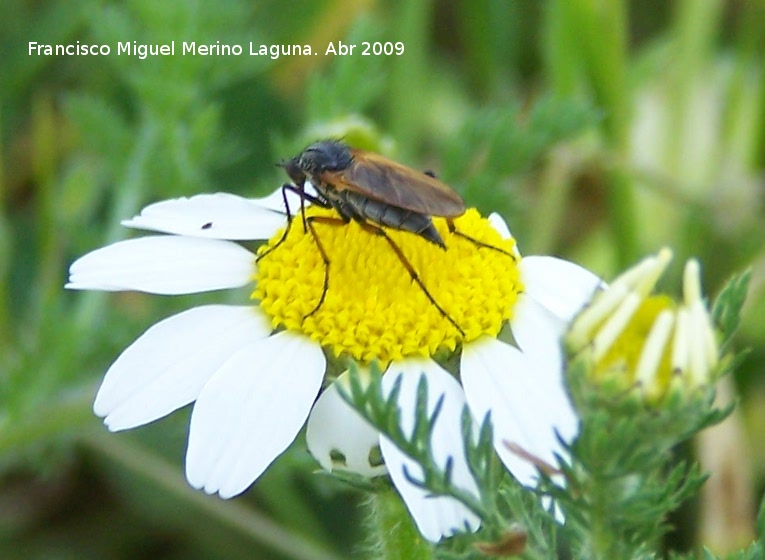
(622, 480)
(496, 143)
(353, 85)
(483, 95)
(726, 311)
(616, 487)
(384, 413)
(502, 505)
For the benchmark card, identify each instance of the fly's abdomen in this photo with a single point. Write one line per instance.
(394, 217)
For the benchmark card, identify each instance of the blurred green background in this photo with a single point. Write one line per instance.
(600, 129)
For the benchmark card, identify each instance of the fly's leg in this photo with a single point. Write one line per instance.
(330, 221)
(303, 197)
(453, 229)
(377, 230)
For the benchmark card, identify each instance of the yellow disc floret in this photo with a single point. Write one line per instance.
(621, 361)
(372, 308)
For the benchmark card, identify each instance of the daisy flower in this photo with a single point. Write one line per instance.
(631, 337)
(254, 371)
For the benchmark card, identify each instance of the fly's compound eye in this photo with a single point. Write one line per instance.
(295, 172)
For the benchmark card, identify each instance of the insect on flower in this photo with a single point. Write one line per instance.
(375, 192)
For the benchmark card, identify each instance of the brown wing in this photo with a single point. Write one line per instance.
(385, 180)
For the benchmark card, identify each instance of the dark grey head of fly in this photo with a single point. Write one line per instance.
(325, 155)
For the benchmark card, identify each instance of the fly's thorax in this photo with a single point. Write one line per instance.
(337, 201)
(325, 155)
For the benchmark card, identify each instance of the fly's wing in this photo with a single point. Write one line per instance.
(385, 180)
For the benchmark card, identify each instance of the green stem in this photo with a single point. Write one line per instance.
(408, 90)
(232, 514)
(554, 187)
(754, 44)
(694, 35)
(593, 53)
(5, 260)
(45, 154)
(127, 200)
(61, 418)
(607, 53)
(695, 30)
(599, 531)
(391, 531)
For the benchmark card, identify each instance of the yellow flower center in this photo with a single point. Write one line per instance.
(620, 362)
(372, 308)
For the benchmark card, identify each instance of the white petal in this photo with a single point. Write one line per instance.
(525, 410)
(164, 265)
(215, 216)
(336, 426)
(251, 410)
(538, 333)
(169, 364)
(561, 286)
(499, 224)
(442, 516)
